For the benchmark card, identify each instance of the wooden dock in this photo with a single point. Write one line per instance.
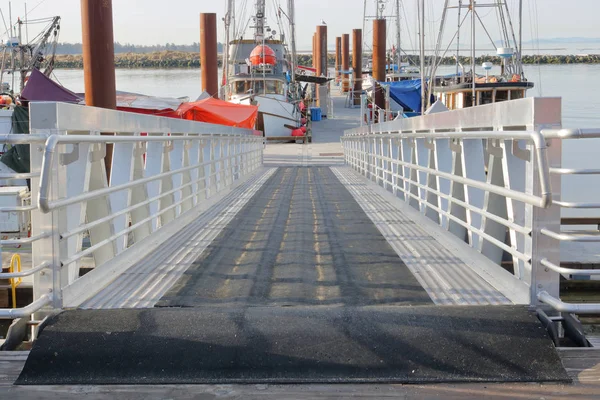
(583, 366)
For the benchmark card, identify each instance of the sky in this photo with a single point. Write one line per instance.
(148, 22)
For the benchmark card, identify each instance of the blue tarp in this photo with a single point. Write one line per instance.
(406, 93)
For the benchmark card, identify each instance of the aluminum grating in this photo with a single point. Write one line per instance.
(147, 281)
(446, 278)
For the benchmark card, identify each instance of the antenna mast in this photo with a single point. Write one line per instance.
(259, 34)
(292, 18)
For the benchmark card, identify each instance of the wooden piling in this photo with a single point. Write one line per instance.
(357, 64)
(345, 62)
(208, 54)
(379, 62)
(338, 57)
(99, 60)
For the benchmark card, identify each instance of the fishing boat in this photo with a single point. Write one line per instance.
(470, 88)
(259, 69)
(398, 69)
(20, 56)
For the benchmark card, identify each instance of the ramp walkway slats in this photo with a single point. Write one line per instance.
(440, 269)
(302, 240)
(146, 282)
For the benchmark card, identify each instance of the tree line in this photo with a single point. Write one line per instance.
(189, 59)
(76, 48)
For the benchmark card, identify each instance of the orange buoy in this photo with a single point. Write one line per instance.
(263, 55)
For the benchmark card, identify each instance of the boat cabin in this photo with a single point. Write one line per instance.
(461, 95)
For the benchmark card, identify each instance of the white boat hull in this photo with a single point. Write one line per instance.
(276, 114)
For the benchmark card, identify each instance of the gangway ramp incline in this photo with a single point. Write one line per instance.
(299, 286)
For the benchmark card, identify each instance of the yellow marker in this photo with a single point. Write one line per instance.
(14, 282)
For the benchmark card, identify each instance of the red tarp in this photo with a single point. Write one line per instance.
(219, 112)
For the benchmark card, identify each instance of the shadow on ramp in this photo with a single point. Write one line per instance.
(293, 345)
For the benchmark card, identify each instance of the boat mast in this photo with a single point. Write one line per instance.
(228, 18)
(398, 37)
(422, 53)
(259, 34)
(292, 18)
(22, 51)
(521, 38)
(473, 15)
(459, 78)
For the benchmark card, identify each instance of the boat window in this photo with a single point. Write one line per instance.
(242, 87)
(259, 87)
(501, 95)
(517, 94)
(468, 99)
(487, 97)
(274, 87)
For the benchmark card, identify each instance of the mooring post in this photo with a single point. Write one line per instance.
(345, 62)
(321, 65)
(357, 64)
(379, 62)
(338, 57)
(99, 60)
(209, 65)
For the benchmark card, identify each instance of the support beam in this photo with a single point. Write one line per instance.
(379, 61)
(99, 60)
(357, 64)
(345, 62)
(208, 54)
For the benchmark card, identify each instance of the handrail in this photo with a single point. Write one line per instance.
(29, 240)
(27, 273)
(571, 133)
(53, 141)
(13, 313)
(545, 199)
(568, 271)
(561, 306)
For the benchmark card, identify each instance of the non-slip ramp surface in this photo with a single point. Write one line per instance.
(301, 240)
(293, 344)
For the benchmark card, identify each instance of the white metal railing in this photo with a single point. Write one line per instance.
(489, 175)
(22, 242)
(165, 172)
(589, 202)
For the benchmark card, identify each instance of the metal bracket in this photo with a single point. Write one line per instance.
(520, 153)
(493, 148)
(455, 145)
(139, 149)
(97, 154)
(70, 158)
(429, 144)
(168, 147)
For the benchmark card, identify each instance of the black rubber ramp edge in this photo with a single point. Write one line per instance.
(294, 345)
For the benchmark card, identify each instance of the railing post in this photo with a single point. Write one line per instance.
(43, 250)
(544, 247)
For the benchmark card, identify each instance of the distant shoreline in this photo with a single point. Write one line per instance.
(191, 60)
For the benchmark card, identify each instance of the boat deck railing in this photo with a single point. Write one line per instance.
(490, 175)
(164, 173)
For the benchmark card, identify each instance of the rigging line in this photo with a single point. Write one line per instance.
(33, 9)
(485, 29)
(3, 20)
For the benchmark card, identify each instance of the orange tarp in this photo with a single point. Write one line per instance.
(220, 112)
